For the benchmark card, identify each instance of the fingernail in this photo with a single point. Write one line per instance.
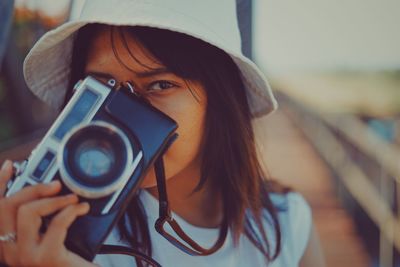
(84, 207)
(6, 164)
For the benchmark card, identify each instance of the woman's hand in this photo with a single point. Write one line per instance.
(21, 214)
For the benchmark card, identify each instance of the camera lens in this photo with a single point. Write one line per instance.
(94, 159)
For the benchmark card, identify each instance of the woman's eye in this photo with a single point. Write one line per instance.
(160, 85)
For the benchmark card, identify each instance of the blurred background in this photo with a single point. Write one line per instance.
(335, 69)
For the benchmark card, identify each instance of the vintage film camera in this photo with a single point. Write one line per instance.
(100, 147)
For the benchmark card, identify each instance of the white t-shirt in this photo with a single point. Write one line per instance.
(295, 221)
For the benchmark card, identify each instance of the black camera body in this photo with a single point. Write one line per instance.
(100, 147)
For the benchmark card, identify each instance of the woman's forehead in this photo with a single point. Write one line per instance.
(118, 45)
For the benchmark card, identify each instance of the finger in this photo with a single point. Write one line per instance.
(9, 206)
(57, 230)
(5, 175)
(29, 218)
(9, 254)
(34, 192)
(6, 215)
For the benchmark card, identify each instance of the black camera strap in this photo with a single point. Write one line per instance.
(191, 247)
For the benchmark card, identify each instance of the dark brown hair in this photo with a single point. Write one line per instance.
(231, 161)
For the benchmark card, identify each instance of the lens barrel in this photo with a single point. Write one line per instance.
(94, 159)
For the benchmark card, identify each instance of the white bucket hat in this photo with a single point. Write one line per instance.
(47, 66)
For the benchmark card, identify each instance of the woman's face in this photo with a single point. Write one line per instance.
(165, 91)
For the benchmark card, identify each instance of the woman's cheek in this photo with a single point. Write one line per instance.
(177, 158)
(182, 154)
(189, 115)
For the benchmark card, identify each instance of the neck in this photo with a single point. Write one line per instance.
(202, 208)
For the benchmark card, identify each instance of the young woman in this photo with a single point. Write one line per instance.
(185, 59)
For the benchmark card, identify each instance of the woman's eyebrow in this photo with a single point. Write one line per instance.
(153, 72)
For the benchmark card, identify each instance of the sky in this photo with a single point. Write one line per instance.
(293, 35)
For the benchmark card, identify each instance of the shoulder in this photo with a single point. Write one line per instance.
(295, 219)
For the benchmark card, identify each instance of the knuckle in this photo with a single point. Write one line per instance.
(59, 221)
(40, 189)
(63, 200)
(56, 203)
(23, 210)
(64, 217)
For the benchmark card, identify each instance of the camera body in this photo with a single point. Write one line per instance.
(100, 147)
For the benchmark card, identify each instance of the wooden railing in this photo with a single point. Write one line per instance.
(327, 133)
